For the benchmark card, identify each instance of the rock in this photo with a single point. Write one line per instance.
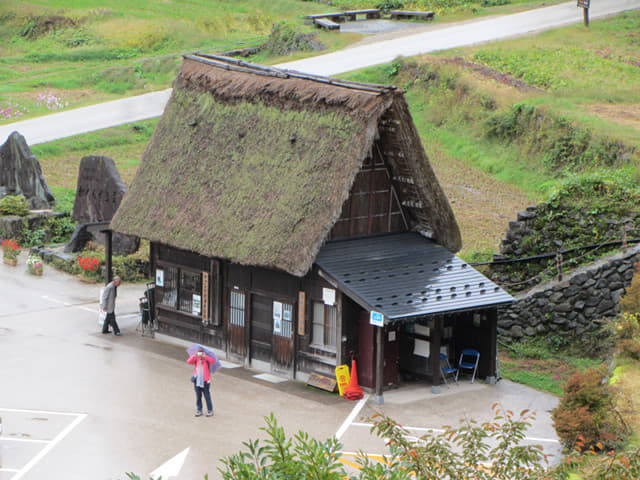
(98, 195)
(516, 331)
(11, 226)
(21, 174)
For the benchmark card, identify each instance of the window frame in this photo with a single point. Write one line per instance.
(163, 265)
(326, 327)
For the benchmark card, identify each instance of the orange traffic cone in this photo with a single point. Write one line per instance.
(353, 390)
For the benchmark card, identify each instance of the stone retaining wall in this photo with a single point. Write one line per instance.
(573, 306)
(11, 226)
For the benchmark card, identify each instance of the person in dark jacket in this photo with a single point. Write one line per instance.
(108, 304)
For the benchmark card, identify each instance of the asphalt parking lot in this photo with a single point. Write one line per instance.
(80, 404)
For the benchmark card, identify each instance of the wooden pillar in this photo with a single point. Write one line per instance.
(379, 399)
(434, 353)
(585, 16)
(108, 254)
(492, 325)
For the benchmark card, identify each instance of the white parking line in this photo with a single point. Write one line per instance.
(49, 445)
(55, 300)
(348, 421)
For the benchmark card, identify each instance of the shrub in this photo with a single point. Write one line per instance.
(14, 205)
(387, 5)
(587, 414)
(285, 38)
(628, 335)
(630, 301)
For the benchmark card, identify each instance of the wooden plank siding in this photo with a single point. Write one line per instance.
(373, 205)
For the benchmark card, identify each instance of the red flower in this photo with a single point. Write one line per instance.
(89, 264)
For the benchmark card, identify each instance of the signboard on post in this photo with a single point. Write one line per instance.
(583, 3)
(376, 319)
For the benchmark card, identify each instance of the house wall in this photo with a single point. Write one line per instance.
(255, 343)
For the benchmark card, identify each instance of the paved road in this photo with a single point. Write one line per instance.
(76, 404)
(118, 112)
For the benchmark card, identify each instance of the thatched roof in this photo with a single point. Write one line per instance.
(253, 164)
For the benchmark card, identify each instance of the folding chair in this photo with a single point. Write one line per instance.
(468, 361)
(447, 369)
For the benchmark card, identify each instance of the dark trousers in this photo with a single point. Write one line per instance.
(207, 396)
(110, 319)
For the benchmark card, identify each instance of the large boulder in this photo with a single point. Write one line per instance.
(98, 195)
(21, 174)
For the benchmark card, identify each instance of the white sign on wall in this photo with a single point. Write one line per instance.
(159, 278)
(277, 317)
(196, 304)
(329, 296)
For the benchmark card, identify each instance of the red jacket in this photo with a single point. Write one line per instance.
(206, 360)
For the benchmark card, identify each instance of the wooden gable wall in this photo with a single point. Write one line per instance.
(373, 205)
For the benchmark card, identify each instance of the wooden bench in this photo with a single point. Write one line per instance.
(334, 17)
(326, 24)
(404, 15)
(368, 13)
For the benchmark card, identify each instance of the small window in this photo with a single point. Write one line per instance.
(170, 289)
(324, 332)
(236, 306)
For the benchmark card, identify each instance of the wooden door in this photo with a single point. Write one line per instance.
(261, 328)
(282, 360)
(237, 330)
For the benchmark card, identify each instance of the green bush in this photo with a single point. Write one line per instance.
(285, 38)
(14, 205)
(586, 415)
(387, 5)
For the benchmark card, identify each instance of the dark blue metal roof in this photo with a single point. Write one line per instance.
(406, 275)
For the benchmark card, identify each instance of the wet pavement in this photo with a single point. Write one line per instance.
(79, 404)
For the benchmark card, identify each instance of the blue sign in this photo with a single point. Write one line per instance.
(376, 319)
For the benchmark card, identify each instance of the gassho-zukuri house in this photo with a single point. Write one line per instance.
(283, 209)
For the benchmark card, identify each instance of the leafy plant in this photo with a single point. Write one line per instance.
(89, 266)
(35, 265)
(587, 413)
(11, 248)
(14, 205)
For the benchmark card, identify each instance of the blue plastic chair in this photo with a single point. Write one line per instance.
(447, 369)
(469, 359)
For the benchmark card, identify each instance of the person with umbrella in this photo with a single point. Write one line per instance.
(205, 363)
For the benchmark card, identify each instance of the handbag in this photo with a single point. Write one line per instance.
(193, 379)
(101, 316)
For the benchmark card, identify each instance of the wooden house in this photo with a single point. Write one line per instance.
(283, 208)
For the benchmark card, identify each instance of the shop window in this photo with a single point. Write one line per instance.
(180, 289)
(324, 329)
(236, 306)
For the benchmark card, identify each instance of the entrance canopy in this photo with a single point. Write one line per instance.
(405, 275)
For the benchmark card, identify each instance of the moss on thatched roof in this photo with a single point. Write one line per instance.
(251, 166)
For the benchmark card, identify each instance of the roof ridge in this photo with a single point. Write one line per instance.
(234, 64)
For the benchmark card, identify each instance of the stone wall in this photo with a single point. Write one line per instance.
(11, 226)
(573, 306)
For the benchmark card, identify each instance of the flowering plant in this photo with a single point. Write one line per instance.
(11, 248)
(35, 264)
(89, 265)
